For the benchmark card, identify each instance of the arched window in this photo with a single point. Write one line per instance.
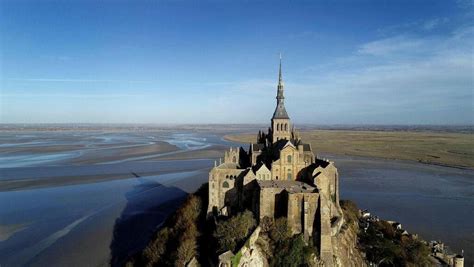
(234, 159)
(289, 175)
(225, 184)
(286, 126)
(278, 127)
(288, 159)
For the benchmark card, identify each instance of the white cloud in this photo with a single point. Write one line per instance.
(399, 79)
(391, 45)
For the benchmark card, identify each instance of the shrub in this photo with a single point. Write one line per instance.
(280, 231)
(292, 252)
(351, 212)
(157, 247)
(177, 242)
(233, 232)
(384, 247)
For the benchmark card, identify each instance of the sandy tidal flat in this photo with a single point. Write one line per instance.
(448, 149)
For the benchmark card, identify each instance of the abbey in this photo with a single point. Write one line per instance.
(280, 176)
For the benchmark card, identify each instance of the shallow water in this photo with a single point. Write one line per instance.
(78, 224)
(53, 213)
(433, 201)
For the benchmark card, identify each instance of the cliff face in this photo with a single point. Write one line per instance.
(258, 252)
(345, 247)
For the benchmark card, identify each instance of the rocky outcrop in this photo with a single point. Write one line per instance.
(345, 248)
(250, 255)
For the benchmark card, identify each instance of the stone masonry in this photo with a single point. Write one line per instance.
(279, 176)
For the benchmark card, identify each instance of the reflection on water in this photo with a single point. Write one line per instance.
(60, 225)
(17, 150)
(52, 213)
(26, 160)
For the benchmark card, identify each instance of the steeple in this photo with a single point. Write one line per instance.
(280, 111)
(280, 120)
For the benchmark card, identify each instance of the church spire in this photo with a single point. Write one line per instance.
(281, 86)
(280, 80)
(280, 111)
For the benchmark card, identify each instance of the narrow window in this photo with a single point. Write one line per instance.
(234, 159)
(286, 126)
(288, 159)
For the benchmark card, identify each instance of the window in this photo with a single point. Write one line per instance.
(234, 159)
(286, 126)
(225, 184)
(278, 127)
(288, 159)
(289, 175)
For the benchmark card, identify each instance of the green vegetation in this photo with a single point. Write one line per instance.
(350, 211)
(231, 234)
(387, 247)
(176, 243)
(286, 250)
(188, 234)
(236, 259)
(384, 245)
(452, 149)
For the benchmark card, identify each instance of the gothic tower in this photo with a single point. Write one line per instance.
(280, 120)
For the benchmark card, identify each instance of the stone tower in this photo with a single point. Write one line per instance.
(280, 121)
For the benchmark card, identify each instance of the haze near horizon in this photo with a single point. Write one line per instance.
(344, 62)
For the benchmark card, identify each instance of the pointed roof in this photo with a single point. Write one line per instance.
(280, 111)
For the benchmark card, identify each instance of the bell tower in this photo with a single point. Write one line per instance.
(280, 120)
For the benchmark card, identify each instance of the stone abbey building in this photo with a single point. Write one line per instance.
(280, 176)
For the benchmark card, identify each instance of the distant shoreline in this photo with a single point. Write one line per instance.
(454, 150)
(219, 127)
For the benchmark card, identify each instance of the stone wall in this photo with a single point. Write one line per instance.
(302, 209)
(267, 201)
(222, 187)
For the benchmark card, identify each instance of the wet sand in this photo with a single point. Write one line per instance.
(6, 231)
(213, 152)
(93, 223)
(74, 206)
(114, 154)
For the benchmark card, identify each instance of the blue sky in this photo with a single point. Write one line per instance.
(344, 62)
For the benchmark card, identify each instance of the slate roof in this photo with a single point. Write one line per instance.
(280, 112)
(257, 147)
(289, 186)
(280, 144)
(306, 147)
